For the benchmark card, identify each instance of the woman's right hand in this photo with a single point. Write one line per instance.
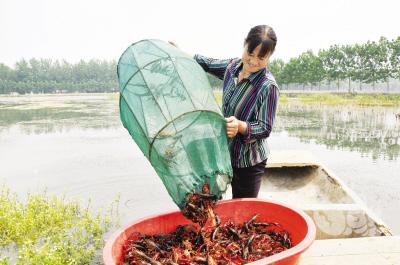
(235, 126)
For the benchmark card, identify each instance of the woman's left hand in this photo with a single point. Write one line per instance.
(233, 126)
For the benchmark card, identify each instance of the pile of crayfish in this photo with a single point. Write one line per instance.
(215, 244)
(200, 207)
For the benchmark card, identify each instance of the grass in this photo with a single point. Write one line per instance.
(114, 97)
(386, 100)
(48, 230)
(375, 100)
(218, 97)
(283, 98)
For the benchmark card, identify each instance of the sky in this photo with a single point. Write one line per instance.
(87, 29)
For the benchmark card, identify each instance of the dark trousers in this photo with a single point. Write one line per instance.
(246, 181)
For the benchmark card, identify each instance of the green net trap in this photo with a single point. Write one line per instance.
(168, 107)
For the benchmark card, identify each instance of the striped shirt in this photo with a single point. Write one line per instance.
(253, 100)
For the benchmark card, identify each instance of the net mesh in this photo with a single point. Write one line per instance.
(168, 107)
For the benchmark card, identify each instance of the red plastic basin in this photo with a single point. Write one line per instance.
(297, 223)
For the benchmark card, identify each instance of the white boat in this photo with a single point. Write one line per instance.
(347, 231)
(299, 179)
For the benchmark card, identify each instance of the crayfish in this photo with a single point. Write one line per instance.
(214, 244)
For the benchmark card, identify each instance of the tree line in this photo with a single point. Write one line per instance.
(371, 62)
(54, 76)
(368, 63)
(51, 76)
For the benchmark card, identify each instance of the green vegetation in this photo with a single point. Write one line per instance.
(48, 230)
(342, 99)
(328, 99)
(388, 100)
(283, 98)
(368, 63)
(48, 76)
(114, 96)
(218, 97)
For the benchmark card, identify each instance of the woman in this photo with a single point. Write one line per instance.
(250, 97)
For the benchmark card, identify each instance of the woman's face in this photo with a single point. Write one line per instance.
(252, 62)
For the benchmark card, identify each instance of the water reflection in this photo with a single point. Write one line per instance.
(371, 131)
(75, 144)
(60, 113)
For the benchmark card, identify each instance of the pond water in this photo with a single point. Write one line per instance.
(76, 145)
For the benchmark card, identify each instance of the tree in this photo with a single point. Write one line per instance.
(276, 67)
(312, 69)
(394, 58)
(370, 62)
(333, 63)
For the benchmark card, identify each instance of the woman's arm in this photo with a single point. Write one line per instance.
(216, 67)
(262, 126)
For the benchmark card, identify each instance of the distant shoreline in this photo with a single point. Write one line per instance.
(334, 98)
(367, 98)
(282, 91)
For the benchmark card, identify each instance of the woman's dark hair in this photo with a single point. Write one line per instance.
(264, 35)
